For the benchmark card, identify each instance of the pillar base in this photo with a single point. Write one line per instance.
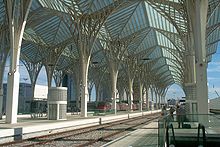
(12, 98)
(1, 103)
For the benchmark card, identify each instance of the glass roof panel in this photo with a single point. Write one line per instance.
(2, 12)
(148, 41)
(156, 36)
(31, 51)
(90, 6)
(57, 4)
(160, 62)
(48, 30)
(137, 21)
(214, 18)
(163, 69)
(118, 20)
(157, 20)
(164, 41)
(166, 53)
(156, 53)
(212, 49)
(213, 37)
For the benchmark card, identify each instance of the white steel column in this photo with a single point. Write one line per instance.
(3, 53)
(159, 101)
(140, 96)
(190, 84)
(152, 98)
(1, 100)
(201, 8)
(191, 103)
(130, 101)
(16, 27)
(147, 98)
(156, 96)
(114, 75)
(83, 85)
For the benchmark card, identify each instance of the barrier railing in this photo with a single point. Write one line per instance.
(203, 135)
(168, 142)
(189, 125)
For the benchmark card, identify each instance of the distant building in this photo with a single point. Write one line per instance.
(171, 102)
(25, 96)
(40, 92)
(182, 101)
(214, 105)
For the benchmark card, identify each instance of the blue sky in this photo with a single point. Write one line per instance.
(213, 73)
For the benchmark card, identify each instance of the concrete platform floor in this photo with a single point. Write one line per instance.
(28, 127)
(147, 136)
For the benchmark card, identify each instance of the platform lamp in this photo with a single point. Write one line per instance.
(95, 63)
(146, 59)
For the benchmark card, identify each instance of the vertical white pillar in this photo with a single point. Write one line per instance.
(114, 75)
(190, 84)
(159, 101)
(1, 101)
(84, 86)
(12, 97)
(148, 98)
(156, 96)
(201, 88)
(16, 27)
(152, 98)
(201, 9)
(130, 94)
(140, 96)
(191, 102)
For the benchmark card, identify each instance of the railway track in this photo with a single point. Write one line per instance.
(89, 136)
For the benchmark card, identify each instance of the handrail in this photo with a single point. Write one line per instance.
(167, 134)
(203, 134)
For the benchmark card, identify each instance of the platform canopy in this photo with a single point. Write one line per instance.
(154, 34)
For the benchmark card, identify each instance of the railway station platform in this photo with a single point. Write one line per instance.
(28, 127)
(166, 132)
(163, 132)
(146, 136)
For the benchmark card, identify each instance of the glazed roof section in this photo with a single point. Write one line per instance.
(157, 28)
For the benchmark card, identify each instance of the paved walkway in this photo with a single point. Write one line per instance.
(147, 136)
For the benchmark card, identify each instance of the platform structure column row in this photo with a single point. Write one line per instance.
(16, 29)
(197, 11)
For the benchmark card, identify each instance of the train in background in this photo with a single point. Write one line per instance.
(214, 105)
(174, 102)
(105, 106)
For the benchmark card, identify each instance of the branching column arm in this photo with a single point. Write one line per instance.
(17, 12)
(58, 76)
(50, 61)
(33, 71)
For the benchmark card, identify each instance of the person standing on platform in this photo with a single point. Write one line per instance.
(180, 114)
(164, 111)
(172, 110)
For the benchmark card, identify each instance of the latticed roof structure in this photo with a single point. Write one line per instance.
(150, 36)
(156, 30)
